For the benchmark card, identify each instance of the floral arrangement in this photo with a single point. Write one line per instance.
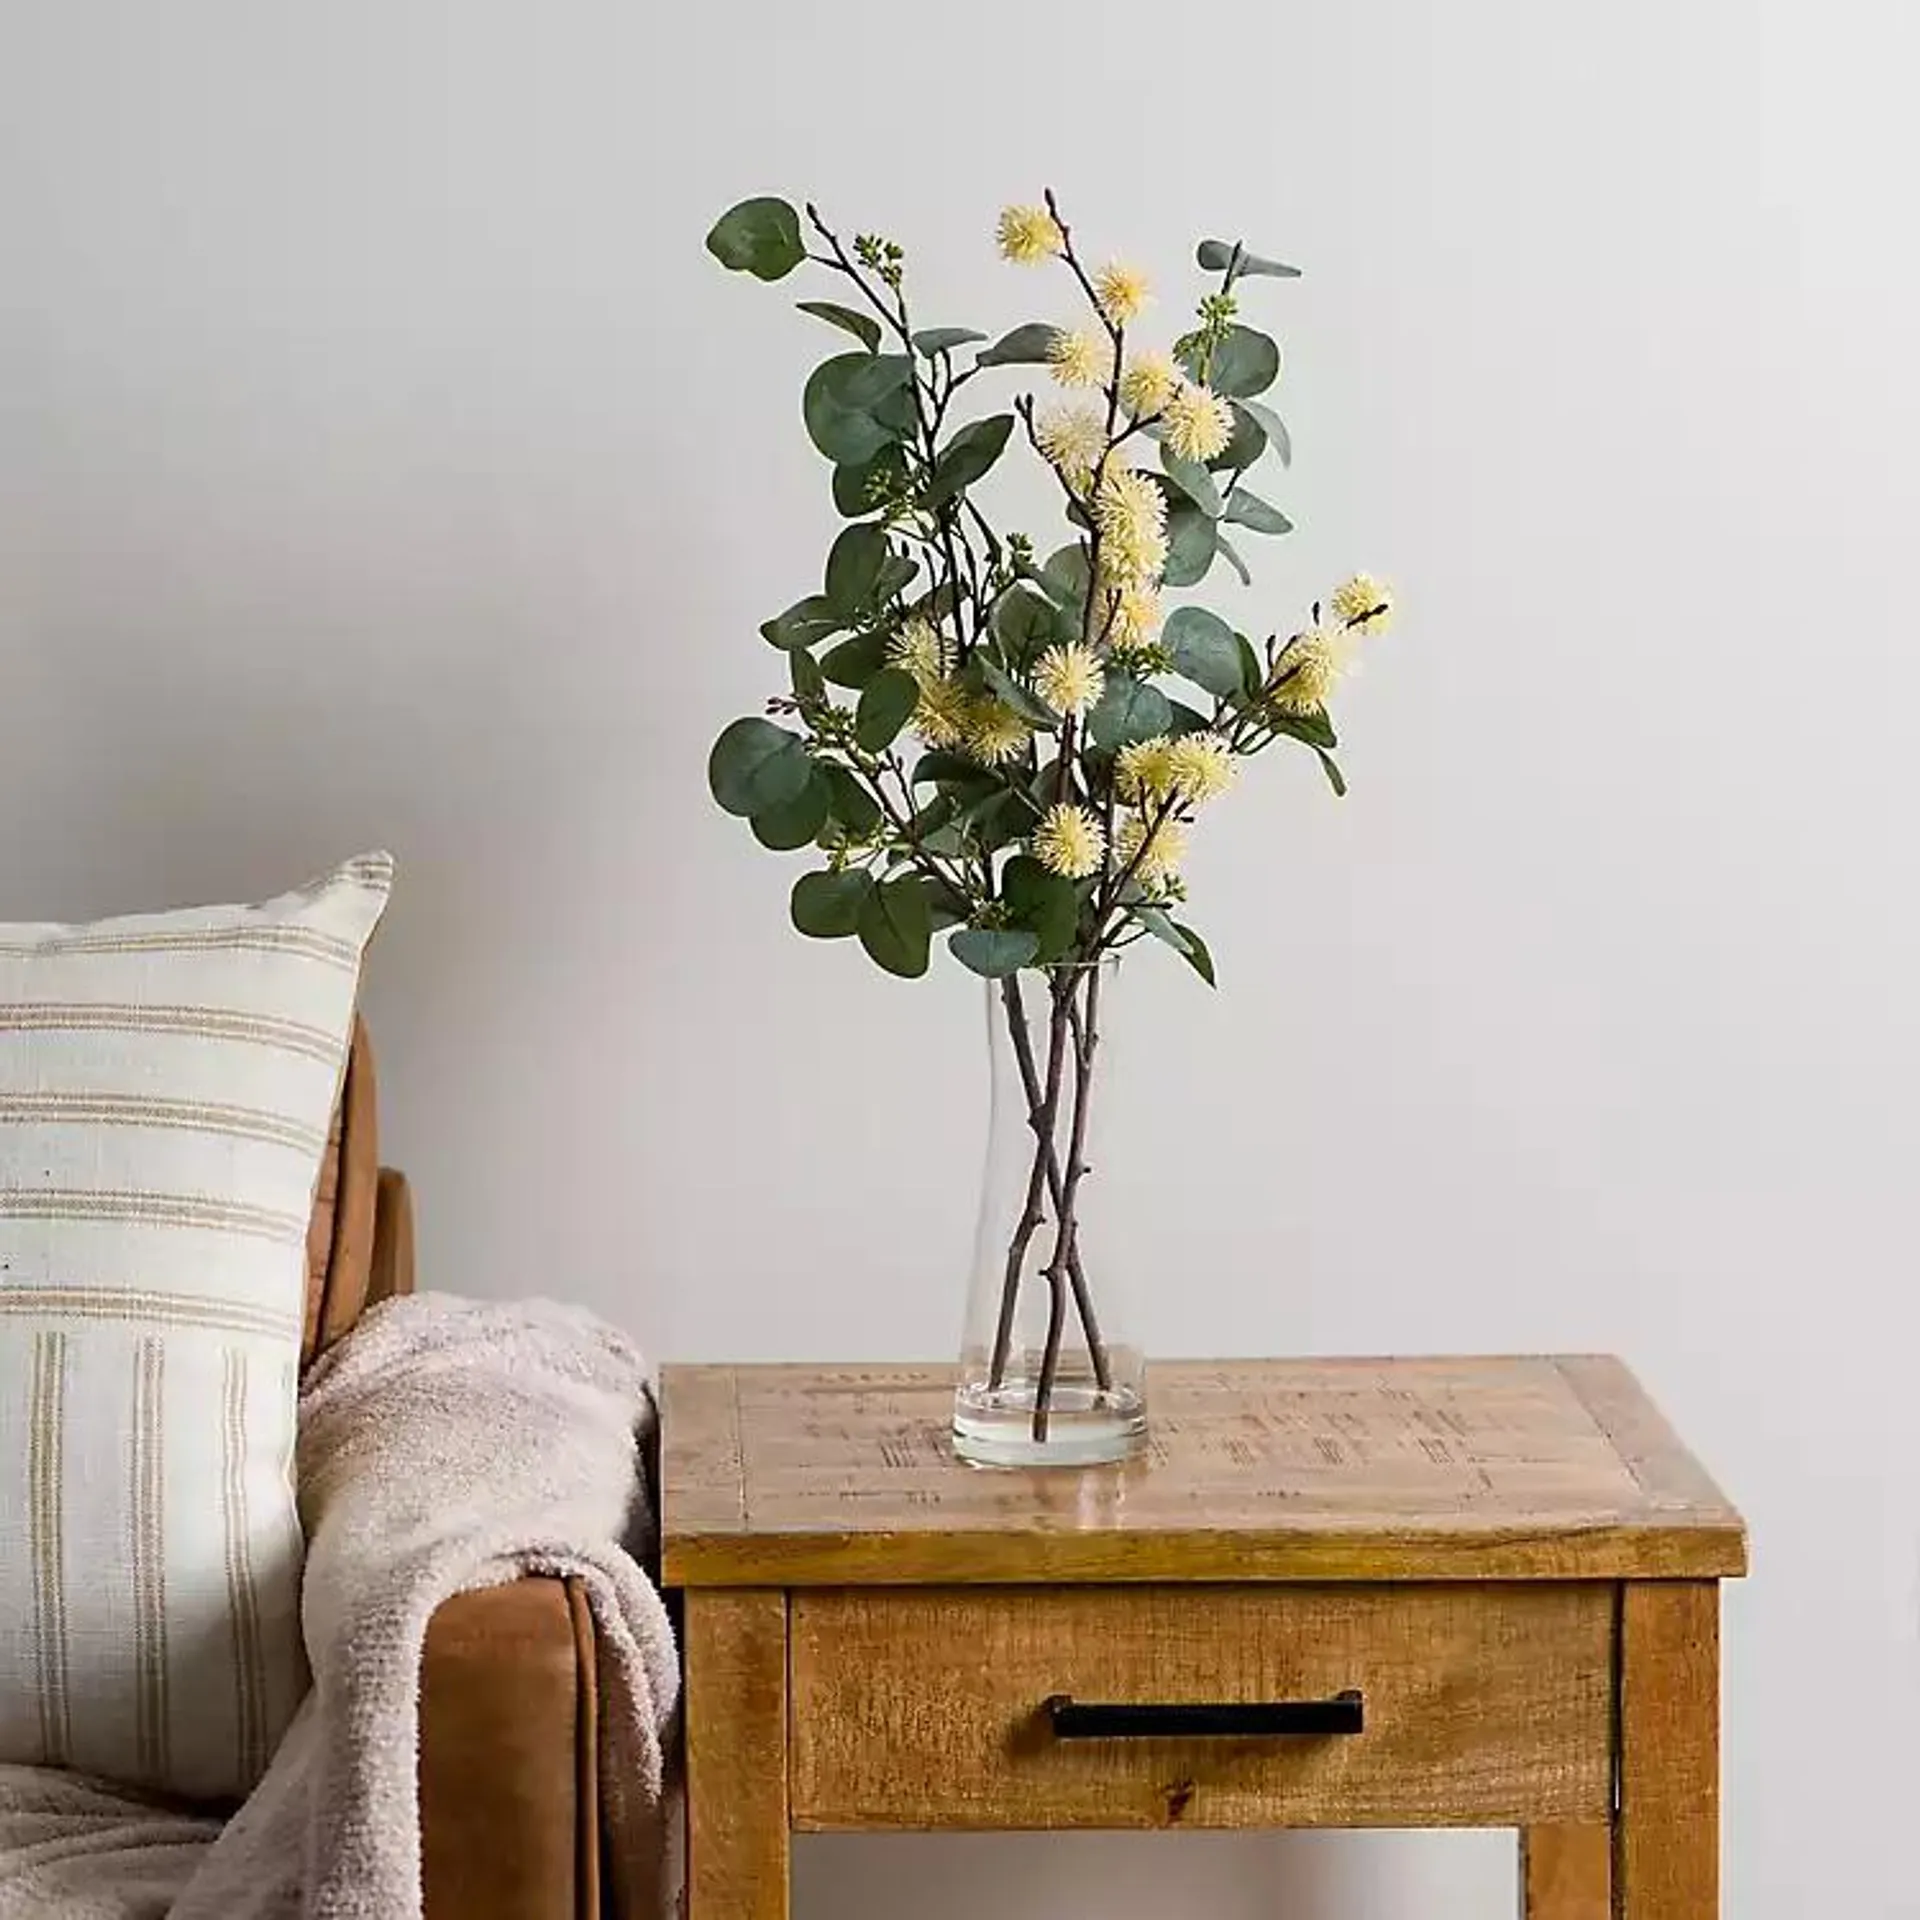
(1007, 747)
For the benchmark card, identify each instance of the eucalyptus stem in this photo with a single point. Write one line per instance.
(1067, 1224)
(1032, 1216)
(1056, 1184)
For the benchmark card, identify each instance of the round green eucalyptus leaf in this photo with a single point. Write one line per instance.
(804, 624)
(854, 662)
(760, 237)
(850, 804)
(1155, 921)
(941, 767)
(1024, 346)
(1251, 671)
(872, 380)
(1194, 481)
(798, 821)
(1245, 362)
(994, 952)
(858, 488)
(755, 766)
(1215, 256)
(1245, 508)
(826, 906)
(1042, 902)
(1269, 423)
(896, 571)
(895, 925)
(932, 340)
(1248, 443)
(1195, 953)
(1192, 540)
(999, 820)
(1065, 576)
(1024, 624)
(863, 326)
(1027, 704)
(1231, 555)
(1204, 651)
(886, 704)
(1128, 710)
(843, 400)
(803, 672)
(853, 567)
(967, 457)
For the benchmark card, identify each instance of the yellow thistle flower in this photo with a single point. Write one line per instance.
(922, 650)
(941, 716)
(1158, 855)
(1074, 439)
(1363, 602)
(1070, 679)
(1150, 381)
(995, 733)
(1069, 842)
(1027, 234)
(1202, 765)
(1135, 614)
(1077, 359)
(1309, 668)
(1144, 770)
(1196, 423)
(1121, 290)
(1131, 513)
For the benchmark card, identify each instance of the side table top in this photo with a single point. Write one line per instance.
(1484, 1469)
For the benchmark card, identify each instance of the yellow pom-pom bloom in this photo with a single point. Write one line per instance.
(1144, 770)
(1155, 857)
(1149, 382)
(1027, 234)
(941, 716)
(1131, 513)
(995, 733)
(1134, 620)
(1074, 439)
(1196, 423)
(1069, 679)
(1121, 290)
(1203, 766)
(922, 649)
(1069, 842)
(1308, 670)
(1077, 359)
(1363, 602)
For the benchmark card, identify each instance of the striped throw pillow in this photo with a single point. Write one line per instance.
(166, 1084)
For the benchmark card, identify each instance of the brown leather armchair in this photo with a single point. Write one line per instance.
(509, 1791)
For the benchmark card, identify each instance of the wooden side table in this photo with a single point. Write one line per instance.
(1358, 1593)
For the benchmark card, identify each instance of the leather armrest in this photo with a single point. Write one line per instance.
(509, 1797)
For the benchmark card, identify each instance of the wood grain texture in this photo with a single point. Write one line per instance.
(391, 1270)
(1667, 1832)
(735, 1647)
(1487, 1706)
(1566, 1873)
(1488, 1469)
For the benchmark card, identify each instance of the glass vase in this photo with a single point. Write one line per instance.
(1048, 1376)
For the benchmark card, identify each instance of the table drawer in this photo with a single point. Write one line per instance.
(924, 1707)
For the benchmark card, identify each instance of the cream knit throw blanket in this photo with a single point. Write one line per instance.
(445, 1445)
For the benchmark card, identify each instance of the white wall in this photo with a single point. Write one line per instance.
(382, 460)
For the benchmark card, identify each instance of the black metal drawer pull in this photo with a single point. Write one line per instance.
(1085, 1720)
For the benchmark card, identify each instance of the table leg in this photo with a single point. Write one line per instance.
(1566, 1873)
(1667, 1829)
(736, 1708)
